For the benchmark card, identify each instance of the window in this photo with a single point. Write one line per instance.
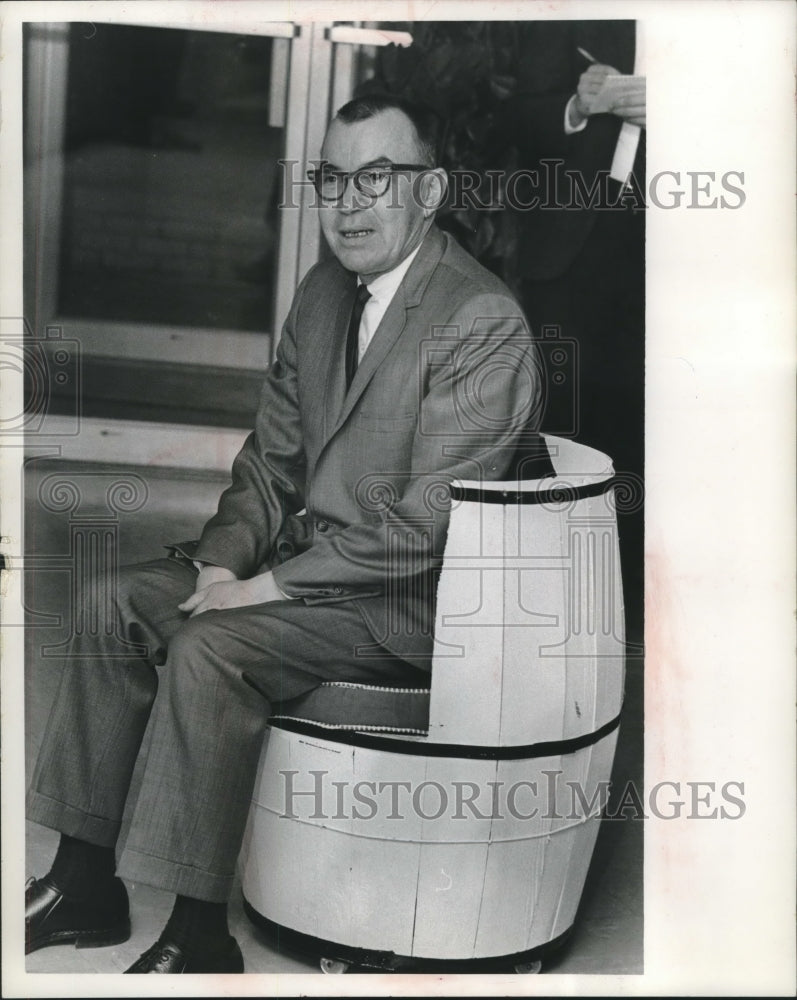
(152, 185)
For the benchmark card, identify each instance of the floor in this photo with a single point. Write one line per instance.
(608, 934)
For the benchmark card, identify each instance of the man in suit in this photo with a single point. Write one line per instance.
(402, 364)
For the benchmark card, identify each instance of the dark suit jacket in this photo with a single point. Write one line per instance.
(446, 389)
(533, 119)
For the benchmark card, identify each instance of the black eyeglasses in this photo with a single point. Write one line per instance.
(370, 181)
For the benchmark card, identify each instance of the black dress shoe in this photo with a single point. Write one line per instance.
(52, 917)
(167, 957)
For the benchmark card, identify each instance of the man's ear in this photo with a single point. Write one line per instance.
(431, 189)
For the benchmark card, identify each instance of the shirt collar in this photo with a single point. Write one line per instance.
(384, 287)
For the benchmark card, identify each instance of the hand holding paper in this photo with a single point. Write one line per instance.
(624, 96)
(590, 86)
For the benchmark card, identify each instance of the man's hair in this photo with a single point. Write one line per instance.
(424, 119)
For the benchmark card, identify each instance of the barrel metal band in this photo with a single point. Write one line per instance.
(555, 495)
(422, 748)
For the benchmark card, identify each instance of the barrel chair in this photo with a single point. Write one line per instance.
(452, 828)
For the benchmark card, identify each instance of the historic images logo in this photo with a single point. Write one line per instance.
(313, 795)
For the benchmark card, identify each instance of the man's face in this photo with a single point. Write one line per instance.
(367, 235)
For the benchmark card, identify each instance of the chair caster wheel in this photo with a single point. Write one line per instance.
(528, 968)
(332, 967)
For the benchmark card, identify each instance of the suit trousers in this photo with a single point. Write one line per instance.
(151, 664)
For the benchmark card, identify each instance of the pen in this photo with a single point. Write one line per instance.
(586, 54)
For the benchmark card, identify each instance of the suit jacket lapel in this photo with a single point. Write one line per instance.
(332, 354)
(409, 294)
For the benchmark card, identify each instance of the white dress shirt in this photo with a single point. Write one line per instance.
(382, 290)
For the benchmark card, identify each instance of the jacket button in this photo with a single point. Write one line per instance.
(337, 590)
(322, 526)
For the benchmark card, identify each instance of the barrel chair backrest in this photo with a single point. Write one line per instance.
(529, 633)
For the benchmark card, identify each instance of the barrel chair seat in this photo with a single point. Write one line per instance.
(408, 829)
(340, 705)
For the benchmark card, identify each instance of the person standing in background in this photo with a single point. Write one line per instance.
(582, 249)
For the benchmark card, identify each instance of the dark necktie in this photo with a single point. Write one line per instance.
(352, 341)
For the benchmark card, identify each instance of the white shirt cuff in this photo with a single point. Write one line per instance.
(288, 597)
(571, 129)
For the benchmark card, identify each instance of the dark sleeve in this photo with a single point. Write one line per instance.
(535, 124)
